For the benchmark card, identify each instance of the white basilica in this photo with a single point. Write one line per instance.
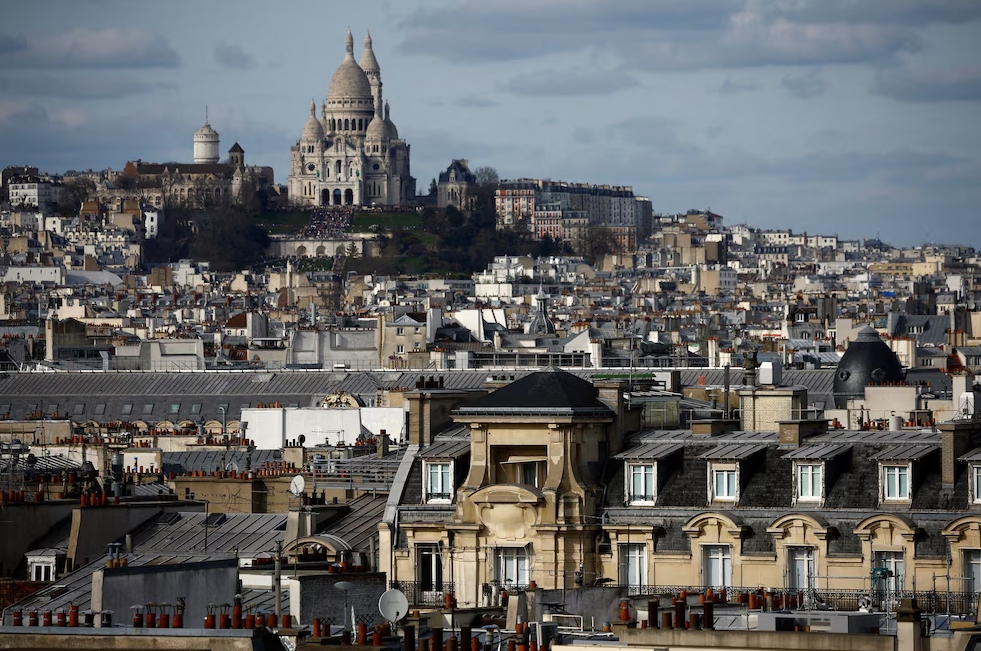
(352, 155)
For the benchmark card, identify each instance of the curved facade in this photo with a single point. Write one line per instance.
(356, 156)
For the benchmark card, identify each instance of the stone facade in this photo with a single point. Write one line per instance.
(352, 155)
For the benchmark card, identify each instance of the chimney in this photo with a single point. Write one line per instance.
(714, 426)
(429, 412)
(955, 440)
(793, 432)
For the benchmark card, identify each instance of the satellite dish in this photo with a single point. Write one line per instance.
(232, 466)
(302, 439)
(393, 605)
(297, 485)
(343, 586)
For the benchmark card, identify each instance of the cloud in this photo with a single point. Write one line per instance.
(730, 86)
(85, 47)
(473, 101)
(661, 137)
(668, 35)
(925, 85)
(78, 86)
(569, 83)
(913, 13)
(805, 85)
(233, 57)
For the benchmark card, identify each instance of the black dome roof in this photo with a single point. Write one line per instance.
(866, 360)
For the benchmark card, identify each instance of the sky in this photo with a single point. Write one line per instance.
(860, 118)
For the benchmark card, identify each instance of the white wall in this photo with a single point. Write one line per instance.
(270, 428)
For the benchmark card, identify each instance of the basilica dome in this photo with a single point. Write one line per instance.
(378, 129)
(349, 80)
(867, 360)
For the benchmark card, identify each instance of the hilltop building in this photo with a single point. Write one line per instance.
(352, 155)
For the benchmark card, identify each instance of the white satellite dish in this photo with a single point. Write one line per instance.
(297, 485)
(232, 466)
(393, 605)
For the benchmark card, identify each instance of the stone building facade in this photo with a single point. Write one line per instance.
(352, 155)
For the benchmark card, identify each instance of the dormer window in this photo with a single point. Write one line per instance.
(976, 484)
(725, 482)
(641, 484)
(810, 481)
(895, 483)
(438, 488)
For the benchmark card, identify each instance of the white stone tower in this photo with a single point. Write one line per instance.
(206, 144)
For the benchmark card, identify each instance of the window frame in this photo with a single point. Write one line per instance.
(446, 495)
(632, 565)
(716, 469)
(884, 475)
(521, 560)
(643, 499)
(976, 483)
(799, 483)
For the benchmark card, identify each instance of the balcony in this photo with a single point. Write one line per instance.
(424, 595)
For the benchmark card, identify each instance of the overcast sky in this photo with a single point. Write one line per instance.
(855, 117)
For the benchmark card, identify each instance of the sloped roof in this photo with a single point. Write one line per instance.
(551, 390)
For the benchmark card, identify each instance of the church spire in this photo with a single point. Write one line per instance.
(349, 44)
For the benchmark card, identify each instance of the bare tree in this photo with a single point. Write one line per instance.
(486, 176)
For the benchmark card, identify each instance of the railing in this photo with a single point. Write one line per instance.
(419, 594)
(931, 601)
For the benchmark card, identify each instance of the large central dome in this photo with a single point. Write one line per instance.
(349, 80)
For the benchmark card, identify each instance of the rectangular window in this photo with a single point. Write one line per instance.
(640, 489)
(895, 482)
(977, 483)
(717, 566)
(724, 484)
(175, 408)
(196, 408)
(127, 410)
(100, 409)
(79, 409)
(888, 570)
(438, 487)
(430, 572)
(512, 567)
(801, 568)
(400, 349)
(633, 564)
(972, 570)
(809, 481)
(400, 331)
(147, 409)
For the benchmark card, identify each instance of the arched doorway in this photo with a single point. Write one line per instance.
(349, 197)
(325, 197)
(337, 197)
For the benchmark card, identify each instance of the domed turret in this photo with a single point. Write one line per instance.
(377, 129)
(313, 130)
(349, 80)
(867, 360)
(206, 144)
(368, 61)
(392, 131)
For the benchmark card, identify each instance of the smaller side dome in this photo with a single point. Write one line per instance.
(313, 130)
(377, 129)
(393, 133)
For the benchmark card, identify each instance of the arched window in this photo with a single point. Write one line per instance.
(345, 124)
(349, 197)
(333, 124)
(327, 171)
(360, 124)
(337, 168)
